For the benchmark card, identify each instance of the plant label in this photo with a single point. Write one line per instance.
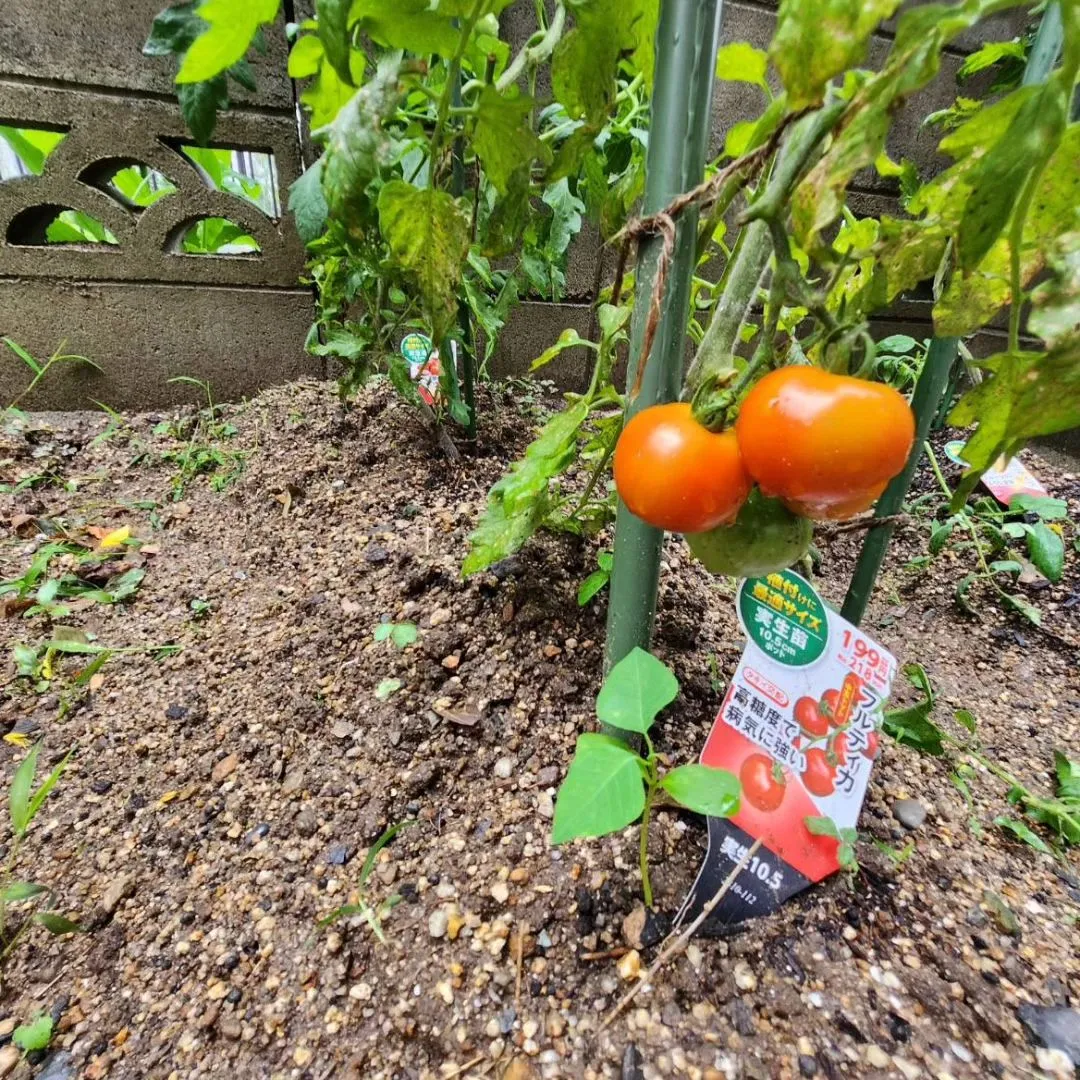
(799, 726)
(424, 365)
(1004, 479)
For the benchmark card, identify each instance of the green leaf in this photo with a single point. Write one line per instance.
(35, 1035)
(585, 62)
(739, 61)
(19, 795)
(1047, 551)
(383, 631)
(635, 691)
(407, 24)
(403, 634)
(518, 502)
(200, 103)
(503, 138)
(713, 792)
(1022, 606)
(373, 851)
(990, 54)
(57, 924)
(308, 203)
(332, 17)
(1055, 305)
(940, 534)
(822, 826)
(1047, 507)
(173, 30)
(813, 43)
(912, 726)
(739, 137)
(45, 790)
(357, 147)
(568, 339)
(231, 26)
(966, 719)
(1068, 778)
(326, 96)
(305, 57)
(32, 147)
(428, 235)
(386, 688)
(592, 585)
(1022, 832)
(602, 792)
(20, 890)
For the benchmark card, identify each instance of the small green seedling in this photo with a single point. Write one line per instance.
(373, 913)
(387, 688)
(598, 579)
(402, 634)
(846, 839)
(23, 806)
(913, 727)
(609, 785)
(34, 1036)
(40, 368)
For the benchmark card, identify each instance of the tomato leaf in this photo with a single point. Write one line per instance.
(308, 203)
(635, 691)
(815, 42)
(739, 61)
(231, 26)
(822, 826)
(306, 57)
(428, 235)
(592, 585)
(332, 17)
(518, 501)
(708, 791)
(602, 792)
(407, 24)
(1047, 550)
(503, 138)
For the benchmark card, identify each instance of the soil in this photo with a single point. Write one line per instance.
(222, 798)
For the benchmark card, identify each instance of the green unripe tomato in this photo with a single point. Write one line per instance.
(766, 536)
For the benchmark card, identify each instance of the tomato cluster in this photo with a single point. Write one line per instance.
(818, 446)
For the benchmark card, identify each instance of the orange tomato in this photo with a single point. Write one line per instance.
(676, 474)
(827, 445)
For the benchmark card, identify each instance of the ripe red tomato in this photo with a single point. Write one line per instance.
(838, 744)
(826, 444)
(810, 718)
(763, 783)
(676, 474)
(819, 777)
(873, 744)
(829, 701)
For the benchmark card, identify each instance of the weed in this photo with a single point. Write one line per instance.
(598, 579)
(402, 634)
(23, 806)
(373, 913)
(37, 663)
(38, 368)
(603, 790)
(1060, 814)
(34, 1036)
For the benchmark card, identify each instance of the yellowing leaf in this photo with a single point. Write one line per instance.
(117, 538)
(168, 797)
(17, 738)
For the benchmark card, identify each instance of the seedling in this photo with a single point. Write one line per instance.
(38, 662)
(373, 913)
(34, 1036)
(402, 634)
(1060, 813)
(993, 531)
(610, 785)
(386, 688)
(598, 579)
(40, 368)
(23, 806)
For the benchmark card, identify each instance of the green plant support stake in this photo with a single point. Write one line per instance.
(930, 389)
(924, 403)
(687, 39)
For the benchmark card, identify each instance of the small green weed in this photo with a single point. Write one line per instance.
(598, 579)
(402, 634)
(374, 913)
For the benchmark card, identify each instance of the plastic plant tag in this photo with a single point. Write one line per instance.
(1004, 479)
(799, 727)
(424, 365)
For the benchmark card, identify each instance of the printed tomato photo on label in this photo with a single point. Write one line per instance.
(763, 782)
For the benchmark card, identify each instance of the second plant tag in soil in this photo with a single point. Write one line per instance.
(799, 726)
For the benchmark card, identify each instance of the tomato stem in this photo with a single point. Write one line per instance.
(643, 846)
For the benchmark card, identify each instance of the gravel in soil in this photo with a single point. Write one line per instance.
(223, 798)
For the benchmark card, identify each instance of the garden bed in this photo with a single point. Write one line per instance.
(222, 797)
